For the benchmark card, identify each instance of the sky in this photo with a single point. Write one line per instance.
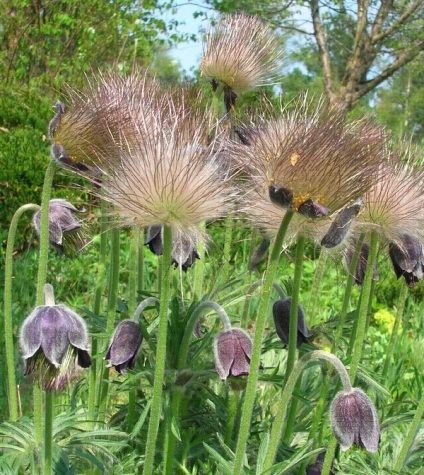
(188, 54)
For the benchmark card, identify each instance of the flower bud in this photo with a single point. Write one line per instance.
(281, 314)
(65, 232)
(408, 259)
(124, 346)
(183, 252)
(232, 350)
(361, 267)
(341, 225)
(353, 419)
(51, 338)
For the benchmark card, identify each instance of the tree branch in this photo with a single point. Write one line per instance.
(402, 18)
(323, 49)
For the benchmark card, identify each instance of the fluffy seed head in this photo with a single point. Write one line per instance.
(83, 131)
(240, 53)
(394, 206)
(166, 175)
(316, 163)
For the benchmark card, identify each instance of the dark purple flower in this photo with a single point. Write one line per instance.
(281, 314)
(51, 338)
(341, 225)
(65, 230)
(354, 421)
(361, 266)
(124, 346)
(316, 468)
(232, 350)
(312, 209)
(183, 251)
(408, 259)
(280, 196)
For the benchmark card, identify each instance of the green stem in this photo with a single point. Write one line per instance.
(155, 410)
(263, 312)
(291, 357)
(410, 436)
(41, 280)
(132, 297)
(292, 347)
(232, 412)
(111, 310)
(228, 237)
(132, 278)
(8, 320)
(360, 336)
(278, 424)
(44, 231)
(140, 267)
(181, 364)
(93, 382)
(48, 433)
(348, 292)
(198, 269)
(316, 285)
(393, 337)
(363, 309)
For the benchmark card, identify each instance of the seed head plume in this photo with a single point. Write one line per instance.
(315, 163)
(166, 173)
(240, 53)
(394, 206)
(81, 132)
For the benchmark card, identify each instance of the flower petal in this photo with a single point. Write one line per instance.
(30, 333)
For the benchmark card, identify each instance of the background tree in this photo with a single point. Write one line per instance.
(359, 44)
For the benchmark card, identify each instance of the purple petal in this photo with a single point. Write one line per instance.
(125, 343)
(77, 329)
(224, 353)
(30, 333)
(54, 334)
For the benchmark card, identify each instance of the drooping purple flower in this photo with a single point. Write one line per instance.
(232, 350)
(341, 225)
(52, 337)
(183, 252)
(408, 259)
(281, 315)
(124, 346)
(65, 230)
(316, 468)
(354, 421)
(361, 266)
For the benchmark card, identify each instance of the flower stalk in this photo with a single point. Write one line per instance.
(249, 399)
(279, 420)
(159, 374)
(8, 323)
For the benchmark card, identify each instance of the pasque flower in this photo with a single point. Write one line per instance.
(408, 259)
(354, 421)
(65, 230)
(124, 346)
(82, 131)
(52, 337)
(240, 54)
(232, 349)
(281, 315)
(316, 163)
(167, 176)
(394, 206)
(183, 252)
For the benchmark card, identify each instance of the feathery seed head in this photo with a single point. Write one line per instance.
(82, 133)
(316, 164)
(167, 175)
(394, 206)
(240, 53)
